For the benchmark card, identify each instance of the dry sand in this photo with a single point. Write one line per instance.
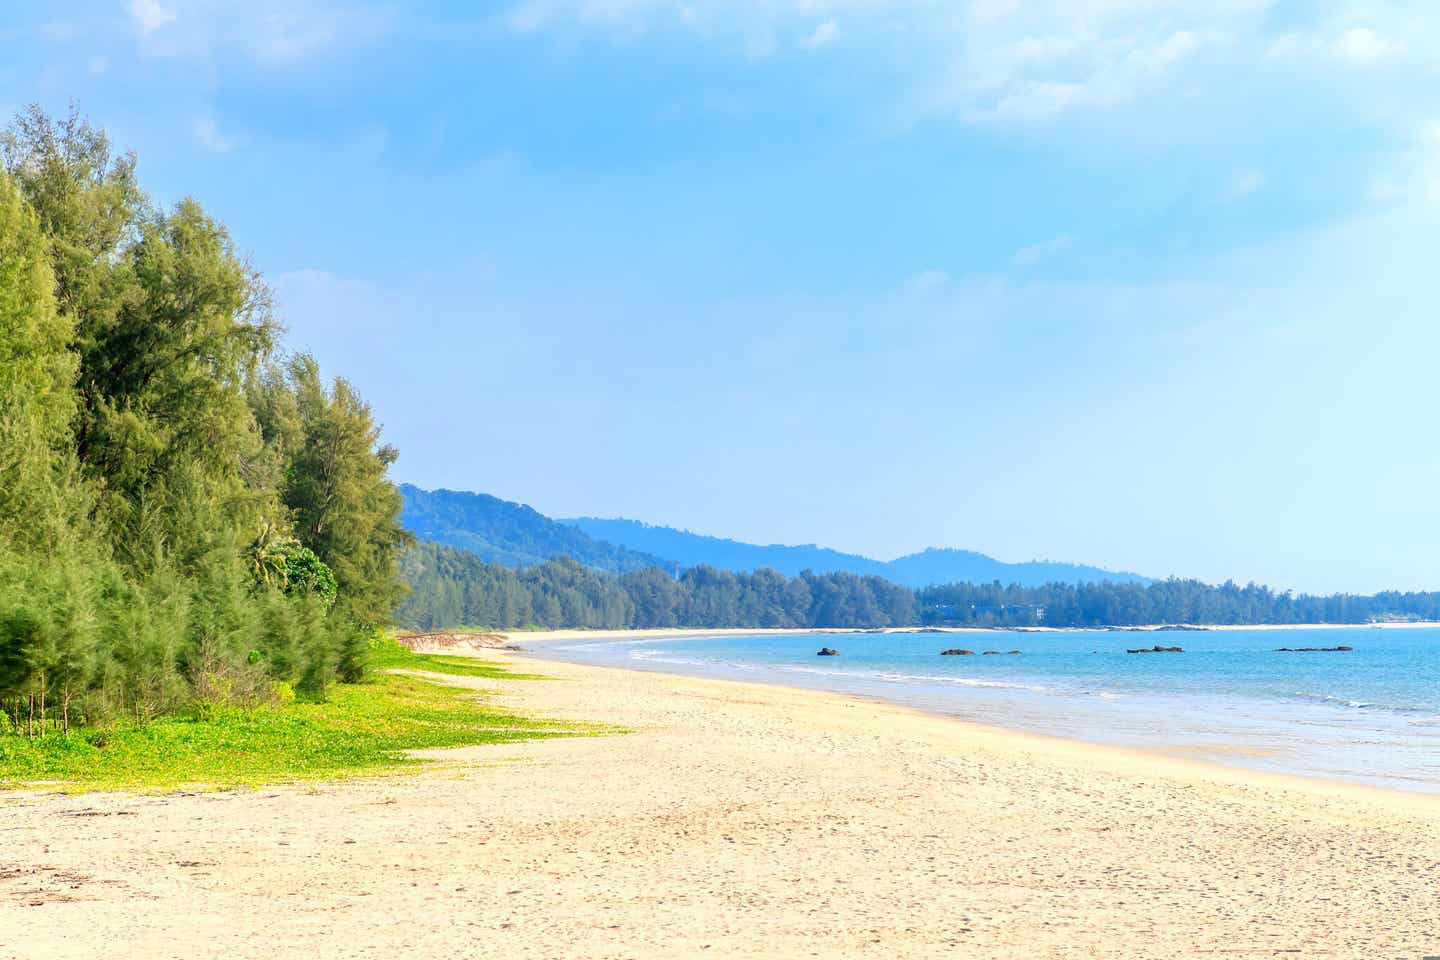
(737, 821)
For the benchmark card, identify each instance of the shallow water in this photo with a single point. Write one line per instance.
(1371, 715)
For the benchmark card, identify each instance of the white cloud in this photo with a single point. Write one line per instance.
(1361, 45)
(1338, 41)
(823, 35)
(149, 15)
(210, 137)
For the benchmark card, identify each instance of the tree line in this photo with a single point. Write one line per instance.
(1164, 601)
(450, 587)
(186, 511)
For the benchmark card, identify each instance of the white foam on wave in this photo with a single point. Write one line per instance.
(1329, 698)
(660, 656)
(915, 678)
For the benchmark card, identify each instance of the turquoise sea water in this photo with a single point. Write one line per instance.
(1370, 715)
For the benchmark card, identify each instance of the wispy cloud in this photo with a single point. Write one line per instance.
(149, 15)
(1033, 254)
(931, 279)
(822, 36)
(273, 32)
(210, 137)
(1361, 45)
(1242, 184)
(985, 59)
(1345, 40)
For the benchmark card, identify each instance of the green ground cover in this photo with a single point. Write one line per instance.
(360, 729)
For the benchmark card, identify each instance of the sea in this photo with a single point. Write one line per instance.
(1368, 715)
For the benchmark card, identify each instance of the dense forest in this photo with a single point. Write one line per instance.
(1165, 601)
(451, 587)
(187, 513)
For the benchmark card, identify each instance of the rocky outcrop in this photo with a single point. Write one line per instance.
(1158, 649)
(1314, 649)
(828, 652)
(957, 653)
(1012, 653)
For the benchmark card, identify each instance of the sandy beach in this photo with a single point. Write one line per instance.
(734, 821)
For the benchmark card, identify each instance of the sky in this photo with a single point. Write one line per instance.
(1148, 284)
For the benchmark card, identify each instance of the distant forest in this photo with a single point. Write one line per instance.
(1162, 602)
(452, 587)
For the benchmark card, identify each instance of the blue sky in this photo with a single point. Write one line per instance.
(1150, 284)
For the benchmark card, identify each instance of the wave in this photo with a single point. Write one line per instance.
(1353, 704)
(1330, 698)
(658, 656)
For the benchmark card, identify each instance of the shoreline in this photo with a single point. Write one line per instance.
(671, 633)
(736, 820)
(1300, 736)
(1167, 761)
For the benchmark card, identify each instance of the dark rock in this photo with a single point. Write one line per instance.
(1314, 649)
(990, 653)
(957, 653)
(828, 652)
(1012, 652)
(1158, 649)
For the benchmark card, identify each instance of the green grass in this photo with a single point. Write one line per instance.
(392, 656)
(361, 729)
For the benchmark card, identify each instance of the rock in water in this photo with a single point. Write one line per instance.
(957, 653)
(828, 652)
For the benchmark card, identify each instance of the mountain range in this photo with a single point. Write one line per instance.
(515, 535)
(915, 570)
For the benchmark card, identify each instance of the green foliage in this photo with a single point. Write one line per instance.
(334, 483)
(361, 729)
(37, 374)
(307, 574)
(179, 524)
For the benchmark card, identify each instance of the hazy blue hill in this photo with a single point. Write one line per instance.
(511, 534)
(916, 570)
(692, 549)
(956, 566)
